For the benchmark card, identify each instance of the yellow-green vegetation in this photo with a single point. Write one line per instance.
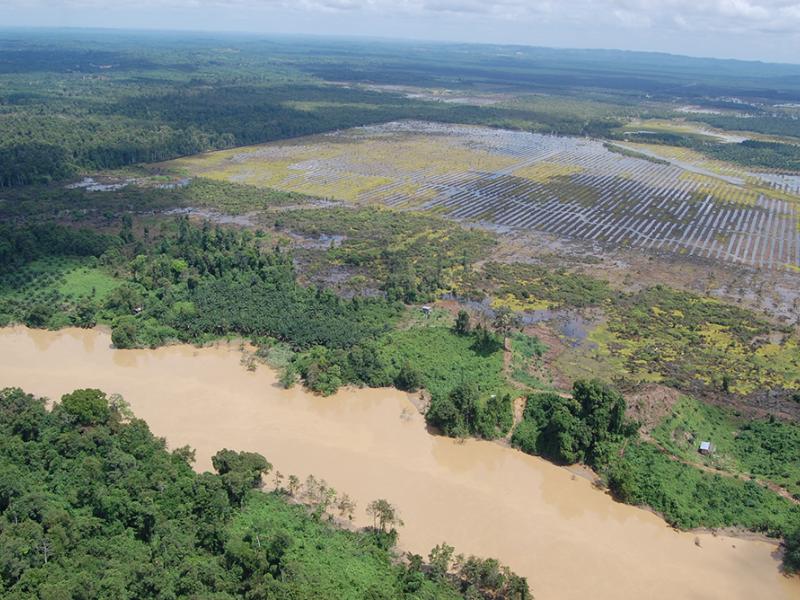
(747, 194)
(236, 198)
(687, 155)
(591, 359)
(689, 341)
(517, 304)
(764, 448)
(522, 286)
(353, 165)
(609, 356)
(544, 171)
(722, 191)
(728, 160)
(406, 154)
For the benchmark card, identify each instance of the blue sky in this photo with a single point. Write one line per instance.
(750, 29)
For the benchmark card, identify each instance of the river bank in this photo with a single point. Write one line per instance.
(479, 496)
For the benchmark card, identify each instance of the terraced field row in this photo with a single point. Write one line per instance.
(763, 234)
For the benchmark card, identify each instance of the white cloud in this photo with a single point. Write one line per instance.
(771, 27)
(739, 14)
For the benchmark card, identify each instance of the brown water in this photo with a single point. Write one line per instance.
(570, 540)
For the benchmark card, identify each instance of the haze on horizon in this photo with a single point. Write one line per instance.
(766, 30)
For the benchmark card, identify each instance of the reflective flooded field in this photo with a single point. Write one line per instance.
(571, 540)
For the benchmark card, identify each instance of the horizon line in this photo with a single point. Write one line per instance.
(391, 39)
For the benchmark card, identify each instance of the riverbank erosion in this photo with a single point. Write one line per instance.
(570, 540)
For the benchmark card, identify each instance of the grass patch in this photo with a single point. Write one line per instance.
(526, 360)
(87, 282)
(445, 359)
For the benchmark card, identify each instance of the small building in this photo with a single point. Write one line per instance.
(706, 448)
(426, 310)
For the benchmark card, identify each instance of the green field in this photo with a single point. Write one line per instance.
(445, 359)
(87, 282)
(48, 292)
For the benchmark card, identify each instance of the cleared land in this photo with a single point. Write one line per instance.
(572, 187)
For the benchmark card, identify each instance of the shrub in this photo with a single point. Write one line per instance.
(408, 378)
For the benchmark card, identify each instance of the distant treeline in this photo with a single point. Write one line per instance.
(749, 153)
(769, 125)
(52, 140)
(752, 153)
(99, 101)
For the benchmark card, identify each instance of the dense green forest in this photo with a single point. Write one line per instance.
(771, 155)
(583, 428)
(19, 246)
(93, 506)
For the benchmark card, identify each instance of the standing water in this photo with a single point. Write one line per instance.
(570, 540)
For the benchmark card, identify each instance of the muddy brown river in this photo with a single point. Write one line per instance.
(571, 540)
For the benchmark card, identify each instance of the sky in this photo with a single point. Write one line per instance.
(767, 30)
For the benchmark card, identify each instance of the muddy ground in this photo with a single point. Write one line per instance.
(775, 293)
